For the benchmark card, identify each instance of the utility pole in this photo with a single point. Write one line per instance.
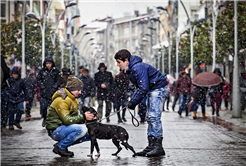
(237, 113)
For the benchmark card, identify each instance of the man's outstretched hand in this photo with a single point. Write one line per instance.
(89, 116)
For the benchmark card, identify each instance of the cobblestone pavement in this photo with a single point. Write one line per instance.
(186, 142)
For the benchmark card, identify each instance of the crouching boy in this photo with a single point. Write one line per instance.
(63, 122)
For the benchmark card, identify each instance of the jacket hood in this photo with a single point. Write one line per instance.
(49, 59)
(217, 70)
(133, 60)
(62, 93)
(102, 65)
(15, 70)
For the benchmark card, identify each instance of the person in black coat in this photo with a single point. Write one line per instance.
(121, 82)
(17, 94)
(5, 74)
(199, 97)
(88, 87)
(104, 83)
(30, 84)
(49, 81)
(64, 75)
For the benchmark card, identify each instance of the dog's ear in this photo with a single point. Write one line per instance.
(85, 109)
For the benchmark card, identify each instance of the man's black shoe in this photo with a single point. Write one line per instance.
(124, 120)
(62, 152)
(179, 112)
(18, 125)
(43, 123)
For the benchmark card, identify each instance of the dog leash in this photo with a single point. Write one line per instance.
(133, 117)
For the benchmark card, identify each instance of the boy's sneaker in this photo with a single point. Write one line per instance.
(179, 112)
(18, 125)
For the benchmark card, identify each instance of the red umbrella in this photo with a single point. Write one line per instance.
(206, 79)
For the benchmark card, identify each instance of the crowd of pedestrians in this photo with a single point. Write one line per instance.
(136, 83)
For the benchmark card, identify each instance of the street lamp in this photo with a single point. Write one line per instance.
(214, 30)
(87, 33)
(150, 46)
(162, 49)
(72, 3)
(81, 55)
(32, 15)
(170, 42)
(23, 66)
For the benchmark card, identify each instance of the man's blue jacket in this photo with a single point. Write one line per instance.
(145, 77)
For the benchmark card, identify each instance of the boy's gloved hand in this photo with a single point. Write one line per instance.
(131, 106)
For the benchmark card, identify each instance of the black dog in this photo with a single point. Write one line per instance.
(102, 131)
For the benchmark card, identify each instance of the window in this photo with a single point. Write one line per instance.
(4, 12)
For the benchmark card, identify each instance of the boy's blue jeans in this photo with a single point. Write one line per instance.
(183, 102)
(156, 99)
(19, 108)
(70, 135)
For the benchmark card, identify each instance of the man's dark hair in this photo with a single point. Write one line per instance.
(81, 67)
(85, 70)
(122, 55)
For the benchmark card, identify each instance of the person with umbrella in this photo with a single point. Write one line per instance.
(215, 93)
(212, 80)
(199, 97)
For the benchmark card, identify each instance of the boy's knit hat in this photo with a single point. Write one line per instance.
(73, 83)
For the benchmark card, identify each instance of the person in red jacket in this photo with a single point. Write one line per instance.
(183, 88)
(225, 96)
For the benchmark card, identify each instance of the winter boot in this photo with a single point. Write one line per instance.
(148, 148)
(158, 149)
(204, 115)
(62, 152)
(194, 115)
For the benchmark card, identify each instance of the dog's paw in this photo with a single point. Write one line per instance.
(134, 155)
(89, 155)
(114, 154)
(98, 155)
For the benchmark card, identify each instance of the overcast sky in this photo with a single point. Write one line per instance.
(98, 9)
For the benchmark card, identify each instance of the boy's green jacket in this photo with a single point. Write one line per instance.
(63, 110)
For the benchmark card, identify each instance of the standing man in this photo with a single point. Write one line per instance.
(104, 83)
(151, 83)
(5, 74)
(30, 84)
(183, 88)
(88, 88)
(48, 80)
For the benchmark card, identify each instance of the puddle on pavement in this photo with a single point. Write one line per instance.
(228, 125)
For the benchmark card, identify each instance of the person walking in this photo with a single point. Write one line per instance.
(183, 88)
(5, 74)
(49, 81)
(88, 88)
(30, 84)
(151, 83)
(168, 98)
(63, 123)
(104, 82)
(121, 94)
(17, 94)
(64, 75)
(199, 97)
(215, 93)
